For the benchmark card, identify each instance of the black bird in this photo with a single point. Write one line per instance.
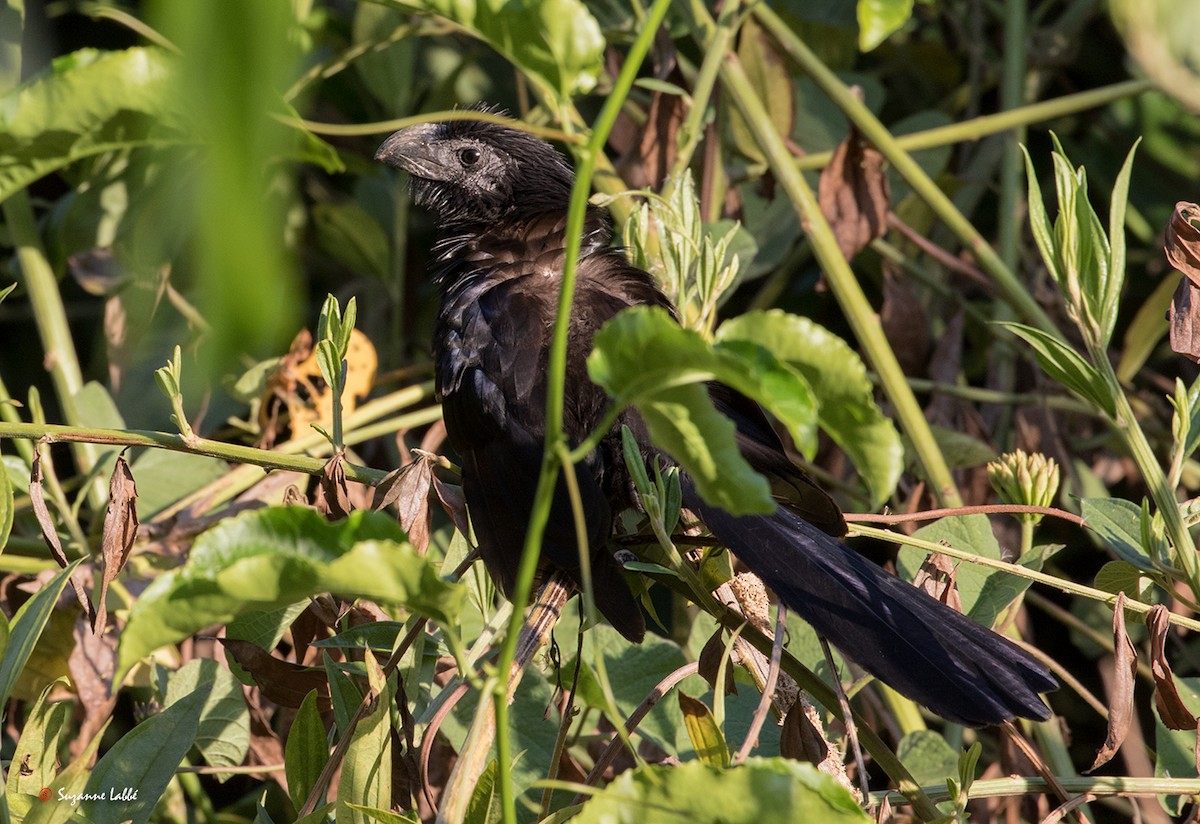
(500, 197)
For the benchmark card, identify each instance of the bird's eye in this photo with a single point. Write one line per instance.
(468, 156)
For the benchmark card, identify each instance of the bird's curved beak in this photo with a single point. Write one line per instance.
(410, 150)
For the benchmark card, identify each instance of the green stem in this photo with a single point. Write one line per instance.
(924, 186)
(980, 127)
(1069, 587)
(1099, 785)
(1126, 424)
(859, 313)
(555, 383)
(200, 446)
(719, 44)
(55, 332)
(1012, 95)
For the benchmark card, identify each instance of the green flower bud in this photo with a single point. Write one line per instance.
(1029, 480)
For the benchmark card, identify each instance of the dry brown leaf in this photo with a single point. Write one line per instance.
(407, 488)
(1183, 317)
(799, 739)
(1181, 245)
(120, 530)
(281, 681)
(904, 322)
(938, 578)
(853, 193)
(333, 493)
(298, 388)
(454, 503)
(1181, 242)
(37, 499)
(1120, 699)
(710, 662)
(1174, 713)
(92, 661)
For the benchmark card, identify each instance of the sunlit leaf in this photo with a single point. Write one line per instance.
(276, 557)
(846, 407)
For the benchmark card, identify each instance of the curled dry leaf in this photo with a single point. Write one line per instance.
(333, 492)
(281, 681)
(1120, 699)
(854, 195)
(92, 661)
(710, 662)
(800, 739)
(37, 499)
(938, 578)
(1174, 713)
(1182, 248)
(407, 488)
(120, 530)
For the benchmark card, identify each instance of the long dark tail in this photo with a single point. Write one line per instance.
(927, 651)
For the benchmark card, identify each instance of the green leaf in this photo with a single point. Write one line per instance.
(760, 791)
(306, 751)
(367, 770)
(557, 43)
(928, 757)
(380, 816)
(353, 236)
(484, 807)
(21, 635)
(1117, 524)
(6, 507)
(643, 358)
(342, 692)
(223, 734)
(704, 731)
(129, 779)
(46, 732)
(164, 476)
(275, 557)
(1116, 238)
(70, 782)
(1039, 221)
(1065, 365)
(846, 411)
(1122, 576)
(88, 103)
(878, 19)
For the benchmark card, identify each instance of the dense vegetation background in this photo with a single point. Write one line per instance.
(189, 638)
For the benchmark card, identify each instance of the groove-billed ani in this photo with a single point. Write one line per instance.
(501, 197)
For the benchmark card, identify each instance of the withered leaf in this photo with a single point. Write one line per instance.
(92, 661)
(454, 503)
(1181, 245)
(37, 499)
(407, 488)
(120, 530)
(1183, 317)
(710, 662)
(799, 739)
(333, 493)
(904, 322)
(1181, 242)
(1174, 713)
(1120, 699)
(281, 681)
(938, 578)
(853, 194)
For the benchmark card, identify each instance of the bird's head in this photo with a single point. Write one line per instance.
(469, 171)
